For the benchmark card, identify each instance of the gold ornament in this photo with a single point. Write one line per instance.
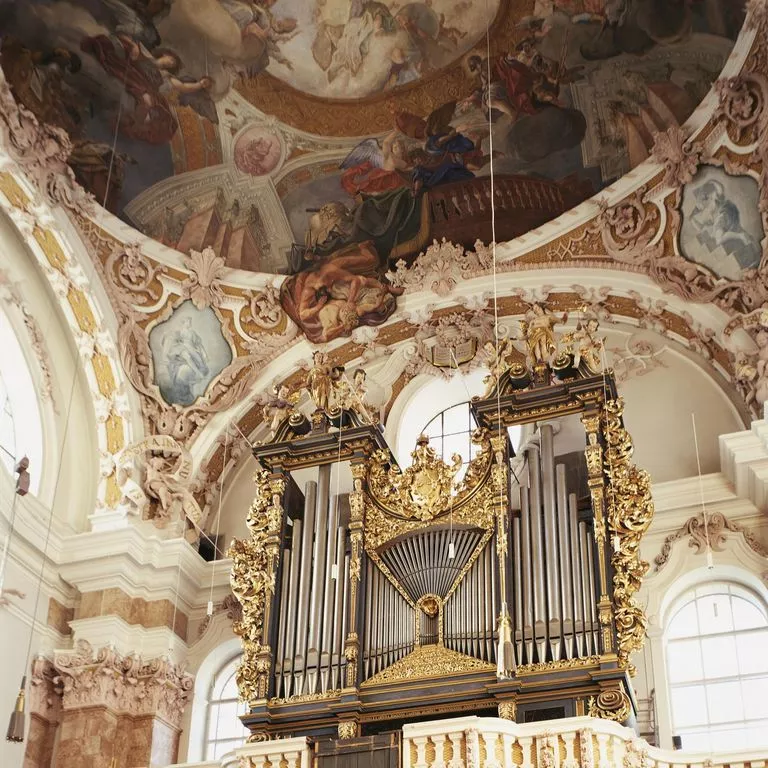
(508, 710)
(629, 513)
(610, 705)
(347, 729)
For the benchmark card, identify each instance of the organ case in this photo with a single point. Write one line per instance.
(375, 594)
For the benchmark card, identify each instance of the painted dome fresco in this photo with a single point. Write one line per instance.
(296, 136)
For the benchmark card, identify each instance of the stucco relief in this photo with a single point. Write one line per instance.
(123, 684)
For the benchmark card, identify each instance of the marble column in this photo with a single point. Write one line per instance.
(44, 708)
(121, 707)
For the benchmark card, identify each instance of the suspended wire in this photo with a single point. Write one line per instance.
(67, 419)
(218, 517)
(701, 491)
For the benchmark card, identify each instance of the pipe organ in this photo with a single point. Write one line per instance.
(374, 592)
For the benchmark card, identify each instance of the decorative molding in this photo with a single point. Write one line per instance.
(123, 684)
(714, 534)
(429, 661)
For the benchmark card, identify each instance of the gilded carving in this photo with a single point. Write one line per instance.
(629, 513)
(429, 661)
(508, 710)
(612, 704)
(347, 729)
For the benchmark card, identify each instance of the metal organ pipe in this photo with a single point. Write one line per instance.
(326, 646)
(577, 573)
(551, 558)
(537, 543)
(340, 582)
(318, 570)
(281, 639)
(527, 580)
(586, 591)
(289, 645)
(564, 561)
(310, 495)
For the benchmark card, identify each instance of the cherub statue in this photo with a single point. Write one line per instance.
(280, 404)
(498, 362)
(174, 497)
(538, 332)
(585, 346)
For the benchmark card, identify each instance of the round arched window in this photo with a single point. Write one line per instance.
(21, 432)
(717, 667)
(224, 731)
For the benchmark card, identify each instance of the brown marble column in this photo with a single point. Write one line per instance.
(44, 707)
(119, 706)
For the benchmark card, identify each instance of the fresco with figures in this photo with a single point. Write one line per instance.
(328, 140)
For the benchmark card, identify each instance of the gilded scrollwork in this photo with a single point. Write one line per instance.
(401, 501)
(253, 584)
(612, 704)
(629, 513)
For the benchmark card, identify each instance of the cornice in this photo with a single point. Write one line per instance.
(143, 565)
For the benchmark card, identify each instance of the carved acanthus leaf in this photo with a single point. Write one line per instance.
(678, 154)
(203, 285)
(123, 684)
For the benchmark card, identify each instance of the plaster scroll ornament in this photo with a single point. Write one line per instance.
(166, 493)
(10, 294)
(42, 152)
(126, 684)
(441, 267)
(6, 594)
(264, 306)
(679, 155)
(701, 537)
(638, 357)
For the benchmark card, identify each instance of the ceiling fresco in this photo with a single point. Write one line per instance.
(332, 141)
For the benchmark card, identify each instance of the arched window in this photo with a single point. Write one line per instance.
(223, 729)
(21, 432)
(451, 432)
(717, 666)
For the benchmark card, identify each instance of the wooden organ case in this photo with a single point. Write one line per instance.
(373, 595)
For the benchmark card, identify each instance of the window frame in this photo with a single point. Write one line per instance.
(228, 668)
(693, 595)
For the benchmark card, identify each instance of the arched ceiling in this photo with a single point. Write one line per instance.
(229, 123)
(675, 246)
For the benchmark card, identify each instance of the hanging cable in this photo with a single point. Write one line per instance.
(710, 561)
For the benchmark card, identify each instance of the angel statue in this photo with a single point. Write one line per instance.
(322, 382)
(538, 332)
(281, 402)
(585, 346)
(497, 356)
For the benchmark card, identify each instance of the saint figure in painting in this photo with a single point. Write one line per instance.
(187, 362)
(339, 293)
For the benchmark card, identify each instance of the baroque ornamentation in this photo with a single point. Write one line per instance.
(429, 661)
(347, 729)
(713, 535)
(123, 684)
(42, 151)
(203, 285)
(629, 513)
(612, 704)
(678, 154)
(508, 710)
(253, 584)
(441, 267)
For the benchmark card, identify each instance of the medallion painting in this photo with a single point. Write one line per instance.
(188, 352)
(722, 228)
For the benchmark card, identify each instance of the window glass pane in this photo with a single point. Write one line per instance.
(755, 697)
(689, 705)
(224, 723)
(727, 739)
(436, 443)
(223, 679)
(719, 654)
(696, 741)
(456, 419)
(684, 661)
(229, 691)
(685, 622)
(724, 702)
(752, 650)
(746, 615)
(456, 444)
(757, 734)
(714, 614)
(434, 428)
